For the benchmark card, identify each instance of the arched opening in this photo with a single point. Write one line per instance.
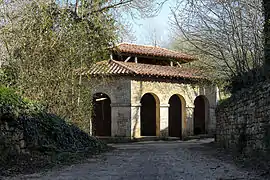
(101, 116)
(149, 115)
(200, 114)
(176, 115)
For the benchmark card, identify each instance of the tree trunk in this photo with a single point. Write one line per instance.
(76, 6)
(266, 5)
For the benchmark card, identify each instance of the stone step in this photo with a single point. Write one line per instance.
(152, 138)
(200, 136)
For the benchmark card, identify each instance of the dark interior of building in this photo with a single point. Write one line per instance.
(101, 117)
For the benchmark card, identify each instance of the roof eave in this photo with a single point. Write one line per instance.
(182, 60)
(149, 76)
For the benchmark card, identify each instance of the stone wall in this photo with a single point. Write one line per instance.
(11, 137)
(243, 120)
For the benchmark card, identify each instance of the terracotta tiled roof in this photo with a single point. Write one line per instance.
(107, 68)
(113, 67)
(152, 51)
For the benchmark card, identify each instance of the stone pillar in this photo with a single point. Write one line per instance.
(135, 121)
(121, 120)
(211, 126)
(164, 120)
(189, 122)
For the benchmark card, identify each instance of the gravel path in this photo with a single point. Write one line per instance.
(152, 161)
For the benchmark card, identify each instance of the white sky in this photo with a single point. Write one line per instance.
(146, 30)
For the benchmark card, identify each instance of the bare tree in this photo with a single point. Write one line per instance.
(228, 33)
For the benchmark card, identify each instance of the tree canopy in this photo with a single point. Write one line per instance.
(44, 43)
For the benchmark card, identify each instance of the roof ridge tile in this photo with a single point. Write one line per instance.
(154, 51)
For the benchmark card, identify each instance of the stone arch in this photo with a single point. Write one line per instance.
(201, 114)
(177, 115)
(150, 115)
(101, 115)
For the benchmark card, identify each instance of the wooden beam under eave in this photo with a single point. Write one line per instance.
(158, 57)
(179, 64)
(128, 59)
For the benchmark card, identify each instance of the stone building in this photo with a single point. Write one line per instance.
(147, 92)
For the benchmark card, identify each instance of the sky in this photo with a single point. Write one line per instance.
(146, 30)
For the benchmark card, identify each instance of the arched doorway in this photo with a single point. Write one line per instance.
(101, 116)
(149, 115)
(176, 115)
(200, 114)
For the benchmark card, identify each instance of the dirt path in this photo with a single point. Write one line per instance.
(150, 161)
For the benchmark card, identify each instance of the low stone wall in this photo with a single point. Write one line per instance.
(11, 137)
(243, 120)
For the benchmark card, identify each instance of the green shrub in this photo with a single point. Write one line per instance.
(30, 107)
(12, 104)
(50, 133)
(8, 75)
(246, 80)
(42, 130)
(47, 137)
